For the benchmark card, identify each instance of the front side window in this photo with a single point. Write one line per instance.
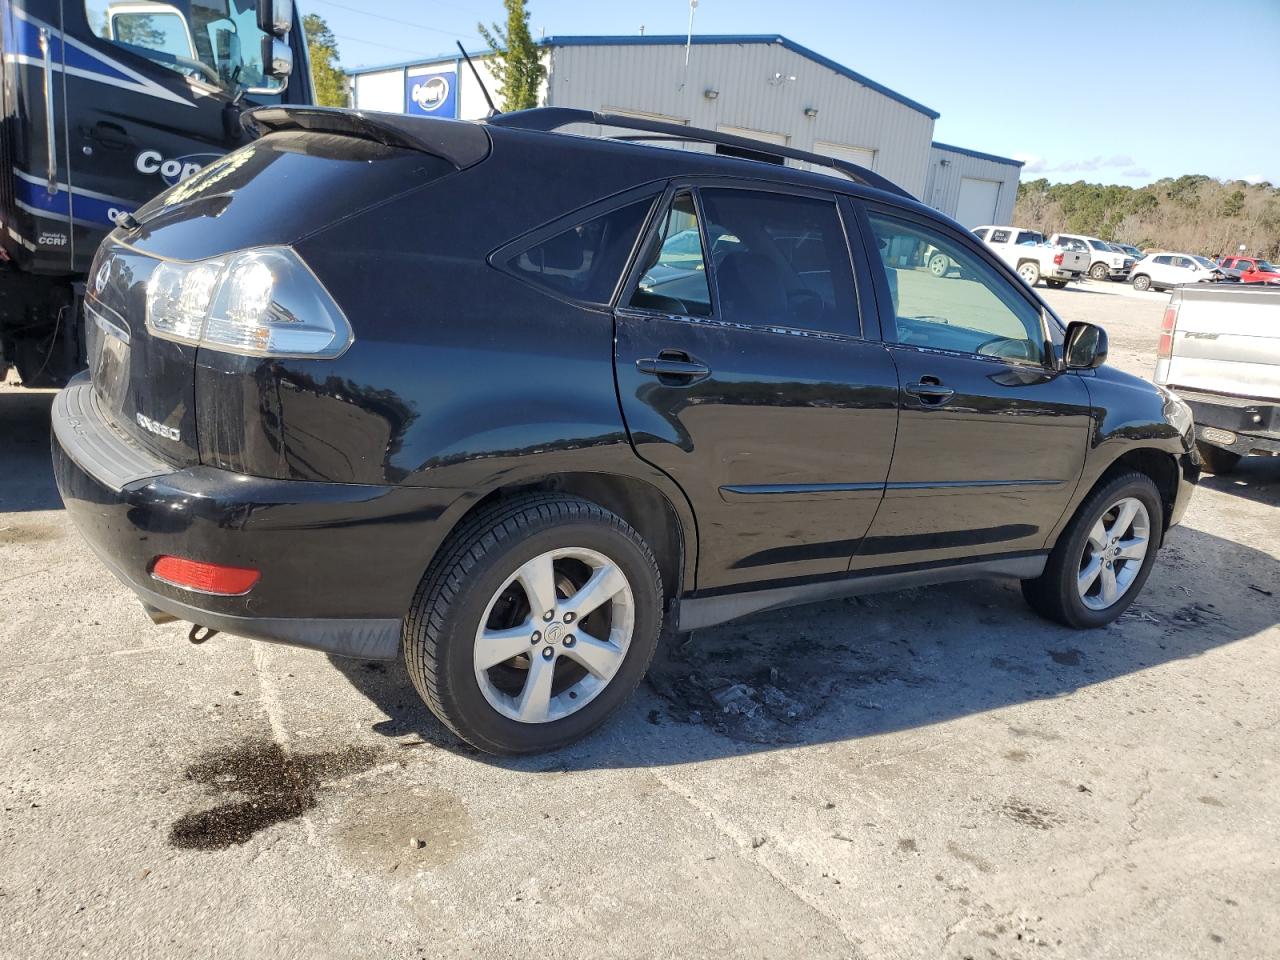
(214, 41)
(1099, 245)
(780, 261)
(585, 261)
(1029, 238)
(675, 271)
(971, 308)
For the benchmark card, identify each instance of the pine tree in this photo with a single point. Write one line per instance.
(518, 64)
(322, 47)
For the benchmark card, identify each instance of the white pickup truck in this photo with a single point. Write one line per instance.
(1034, 259)
(1105, 262)
(1220, 351)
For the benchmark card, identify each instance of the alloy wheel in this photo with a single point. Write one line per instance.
(1113, 553)
(554, 635)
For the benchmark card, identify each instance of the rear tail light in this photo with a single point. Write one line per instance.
(212, 578)
(263, 302)
(1167, 326)
(1057, 258)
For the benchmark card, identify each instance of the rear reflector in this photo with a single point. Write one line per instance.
(205, 577)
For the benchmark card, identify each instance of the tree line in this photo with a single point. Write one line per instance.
(1192, 214)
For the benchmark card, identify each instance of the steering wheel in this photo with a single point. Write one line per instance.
(196, 66)
(1005, 348)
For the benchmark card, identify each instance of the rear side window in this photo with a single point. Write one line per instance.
(981, 233)
(585, 261)
(780, 261)
(999, 236)
(1164, 261)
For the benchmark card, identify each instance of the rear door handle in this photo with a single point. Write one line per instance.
(674, 365)
(930, 391)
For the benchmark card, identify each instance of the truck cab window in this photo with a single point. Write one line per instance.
(216, 42)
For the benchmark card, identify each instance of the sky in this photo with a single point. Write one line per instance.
(1111, 92)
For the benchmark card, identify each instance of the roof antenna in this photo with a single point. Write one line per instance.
(493, 110)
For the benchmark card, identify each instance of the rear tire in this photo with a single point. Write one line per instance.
(1099, 271)
(1217, 460)
(1029, 271)
(507, 677)
(1088, 580)
(1141, 282)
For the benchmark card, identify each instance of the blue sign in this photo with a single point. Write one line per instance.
(432, 94)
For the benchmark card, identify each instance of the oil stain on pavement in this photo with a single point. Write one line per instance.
(271, 786)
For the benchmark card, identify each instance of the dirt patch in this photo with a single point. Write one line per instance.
(398, 827)
(16, 533)
(730, 682)
(273, 786)
(1040, 818)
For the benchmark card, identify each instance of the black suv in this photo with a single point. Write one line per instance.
(505, 399)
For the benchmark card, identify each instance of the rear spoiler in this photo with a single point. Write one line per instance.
(462, 144)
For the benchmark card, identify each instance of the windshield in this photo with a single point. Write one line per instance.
(1266, 267)
(216, 42)
(1099, 245)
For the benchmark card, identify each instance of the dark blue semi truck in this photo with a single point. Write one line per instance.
(104, 104)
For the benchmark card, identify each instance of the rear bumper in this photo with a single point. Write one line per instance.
(1060, 274)
(1236, 424)
(339, 562)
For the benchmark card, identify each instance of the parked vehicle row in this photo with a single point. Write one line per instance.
(1034, 259)
(656, 386)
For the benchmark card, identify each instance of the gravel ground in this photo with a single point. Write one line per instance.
(932, 773)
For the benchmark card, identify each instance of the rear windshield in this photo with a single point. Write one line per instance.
(280, 188)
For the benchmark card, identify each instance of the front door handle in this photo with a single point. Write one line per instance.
(930, 391)
(674, 365)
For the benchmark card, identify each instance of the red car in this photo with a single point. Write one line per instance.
(1250, 269)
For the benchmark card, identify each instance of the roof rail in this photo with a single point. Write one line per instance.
(548, 119)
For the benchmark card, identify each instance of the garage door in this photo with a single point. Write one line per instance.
(977, 204)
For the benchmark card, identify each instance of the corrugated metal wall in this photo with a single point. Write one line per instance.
(754, 93)
(943, 188)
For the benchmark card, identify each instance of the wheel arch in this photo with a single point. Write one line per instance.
(1160, 465)
(668, 527)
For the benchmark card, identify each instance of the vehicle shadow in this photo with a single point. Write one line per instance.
(1256, 479)
(848, 669)
(24, 452)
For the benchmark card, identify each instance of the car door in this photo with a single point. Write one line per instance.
(991, 436)
(1163, 271)
(750, 370)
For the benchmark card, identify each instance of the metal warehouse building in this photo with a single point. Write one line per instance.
(765, 87)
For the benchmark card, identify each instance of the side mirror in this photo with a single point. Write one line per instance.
(275, 17)
(277, 62)
(1085, 347)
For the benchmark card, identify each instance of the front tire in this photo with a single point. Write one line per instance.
(1029, 271)
(1141, 282)
(1103, 557)
(534, 624)
(939, 264)
(1099, 271)
(1217, 460)
(1056, 284)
